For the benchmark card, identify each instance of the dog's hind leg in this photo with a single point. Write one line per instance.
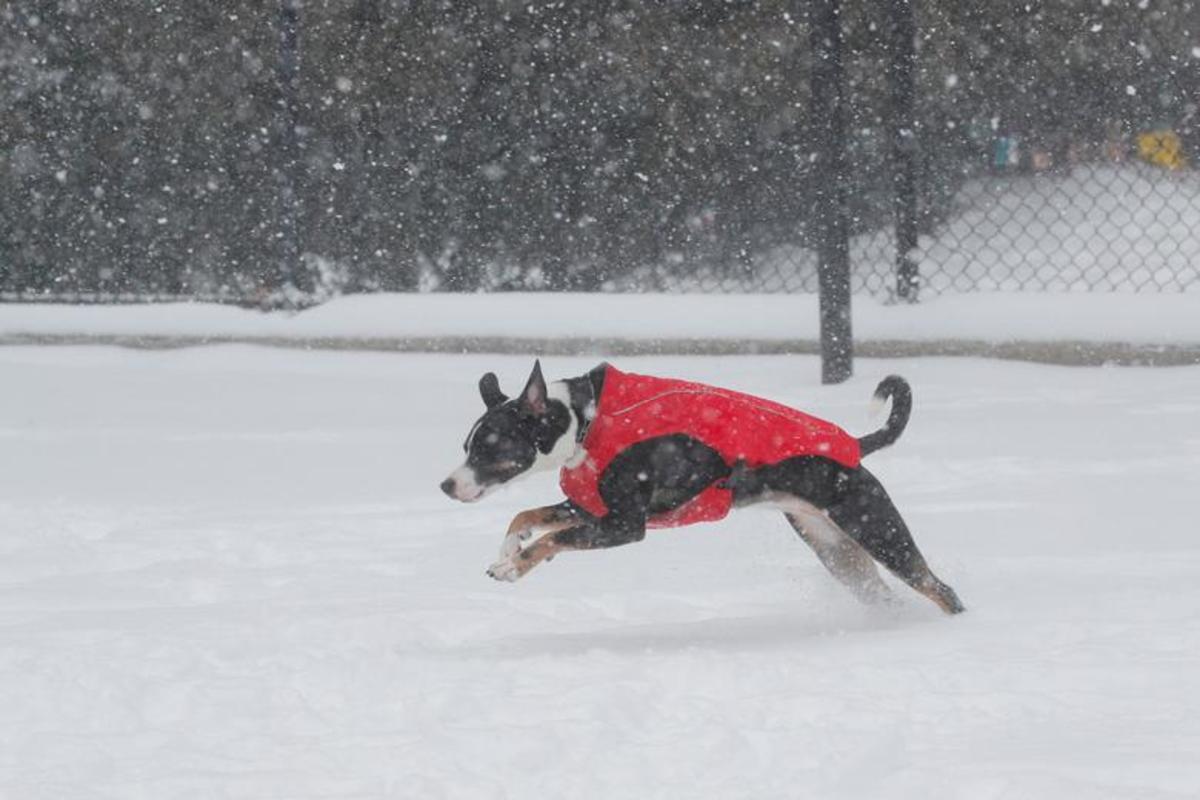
(842, 556)
(869, 517)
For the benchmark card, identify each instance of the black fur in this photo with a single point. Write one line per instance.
(856, 502)
(896, 388)
(661, 474)
(505, 441)
(489, 389)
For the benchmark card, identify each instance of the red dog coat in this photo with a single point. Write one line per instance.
(634, 408)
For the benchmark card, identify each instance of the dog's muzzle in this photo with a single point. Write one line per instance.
(461, 485)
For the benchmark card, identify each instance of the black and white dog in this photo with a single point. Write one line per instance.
(836, 506)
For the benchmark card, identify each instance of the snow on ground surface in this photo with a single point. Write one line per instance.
(228, 572)
(997, 317)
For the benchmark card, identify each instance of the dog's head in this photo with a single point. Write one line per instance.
(513, 437)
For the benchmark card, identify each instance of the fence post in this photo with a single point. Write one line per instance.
(901, 78)
(291, 272)
(832, 227)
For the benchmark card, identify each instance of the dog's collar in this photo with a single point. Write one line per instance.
(585, 421)
(585, 395)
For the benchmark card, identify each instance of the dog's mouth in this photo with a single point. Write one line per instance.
(469, 498)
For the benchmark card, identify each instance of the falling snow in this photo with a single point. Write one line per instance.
(537, 146)
(226, 569)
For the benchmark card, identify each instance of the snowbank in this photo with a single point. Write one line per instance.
(1151, 319)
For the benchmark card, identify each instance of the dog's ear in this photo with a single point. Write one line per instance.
(489, 389)
(533, 398)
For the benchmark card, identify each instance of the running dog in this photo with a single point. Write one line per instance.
(637, 452)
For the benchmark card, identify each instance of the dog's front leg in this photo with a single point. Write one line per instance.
(538, 522)
(626, 492)
(582, 534)
(515, 565)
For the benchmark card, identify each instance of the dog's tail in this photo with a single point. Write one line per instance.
(900, 393)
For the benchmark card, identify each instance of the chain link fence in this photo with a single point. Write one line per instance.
(1116, 226)
(284, 154)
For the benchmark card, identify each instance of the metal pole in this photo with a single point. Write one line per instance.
(292, 274)
(831, 214)
(901, 77)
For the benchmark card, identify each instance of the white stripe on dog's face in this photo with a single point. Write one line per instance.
(471, 435)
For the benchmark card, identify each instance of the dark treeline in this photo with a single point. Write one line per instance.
(512, 144)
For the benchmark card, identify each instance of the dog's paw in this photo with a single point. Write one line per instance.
(506, 569)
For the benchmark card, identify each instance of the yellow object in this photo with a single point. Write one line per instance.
(1162, 148)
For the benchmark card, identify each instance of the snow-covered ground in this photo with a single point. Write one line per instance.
(228, 572)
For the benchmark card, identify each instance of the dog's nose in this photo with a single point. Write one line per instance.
(448, 486)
